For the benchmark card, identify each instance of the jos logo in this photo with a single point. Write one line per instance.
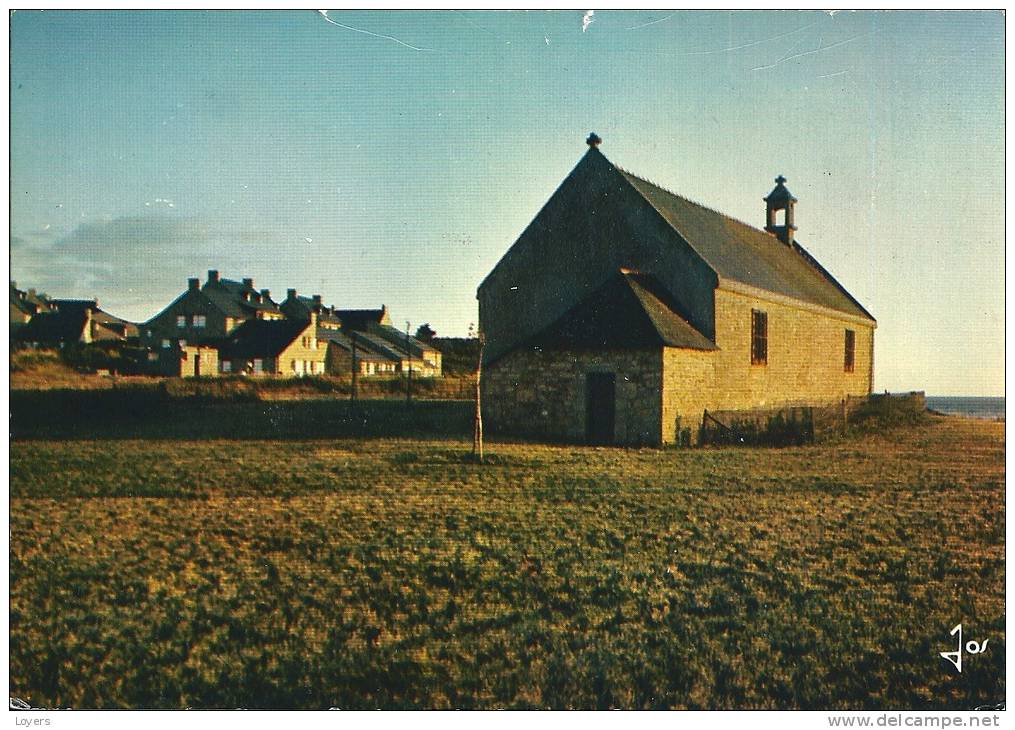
(972, 647)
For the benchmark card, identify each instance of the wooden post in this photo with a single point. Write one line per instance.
(477, 431)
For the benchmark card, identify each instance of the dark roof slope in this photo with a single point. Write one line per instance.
(378, 345)
(29, 302)
(400, 341)
(746, 254)
(358, 319)
(630, 310)
(52, 328)
(345, 342)
(306, 305)
(82, 304)
(228, 296)
(261, 338)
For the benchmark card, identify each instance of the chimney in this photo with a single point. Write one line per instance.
(291, 293)
(780, 199)
(193, 284)
(317, 300)
(266, 294)
(249, 283)
(213, 276)
(86, 332)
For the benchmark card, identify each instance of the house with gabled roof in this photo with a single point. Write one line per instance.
(81, 321)
(422, 359)
(624, 311)
(345, 344)
(204, 316)
(300, 307)
(282, 347)
(26, 304)
(385, 350)
(348, 347)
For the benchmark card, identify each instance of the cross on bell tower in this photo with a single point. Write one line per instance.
(780, 200)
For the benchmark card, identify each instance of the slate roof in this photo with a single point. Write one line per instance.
(358, 319)
(22, 306)
(39, 300)
(66, 323)
(67, 304)
(29, 302)
(227, 295)
(378, 345)
(398, 339)
(344, 341)
(630, 310)
(51, 328)
(746, 254)
(324, 313)
(260, 338)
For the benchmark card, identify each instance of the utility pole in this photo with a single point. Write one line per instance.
(408, 351)
(353, 395)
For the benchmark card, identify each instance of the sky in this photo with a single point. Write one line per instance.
(382, 157)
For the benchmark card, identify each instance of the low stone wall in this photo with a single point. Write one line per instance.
(892, 407)
(804, 424)
(784, 426)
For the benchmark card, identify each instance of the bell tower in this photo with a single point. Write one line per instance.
(779, 212)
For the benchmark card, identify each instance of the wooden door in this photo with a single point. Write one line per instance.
(601, 407)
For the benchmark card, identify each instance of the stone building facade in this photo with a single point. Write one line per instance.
(544, 394)
(624, 311)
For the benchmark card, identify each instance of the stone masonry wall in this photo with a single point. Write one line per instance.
(688, 389)
(805, 356)
(543, 393)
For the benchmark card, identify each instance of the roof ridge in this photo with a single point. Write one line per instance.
(666, 190)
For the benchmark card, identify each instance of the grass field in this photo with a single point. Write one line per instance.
(398, 574)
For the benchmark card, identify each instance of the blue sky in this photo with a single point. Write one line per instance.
(396, 159)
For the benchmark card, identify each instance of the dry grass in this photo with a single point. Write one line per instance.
(396, 573)
(40, 370)
(45, 370)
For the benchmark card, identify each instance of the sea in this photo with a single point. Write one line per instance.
(989, 408)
